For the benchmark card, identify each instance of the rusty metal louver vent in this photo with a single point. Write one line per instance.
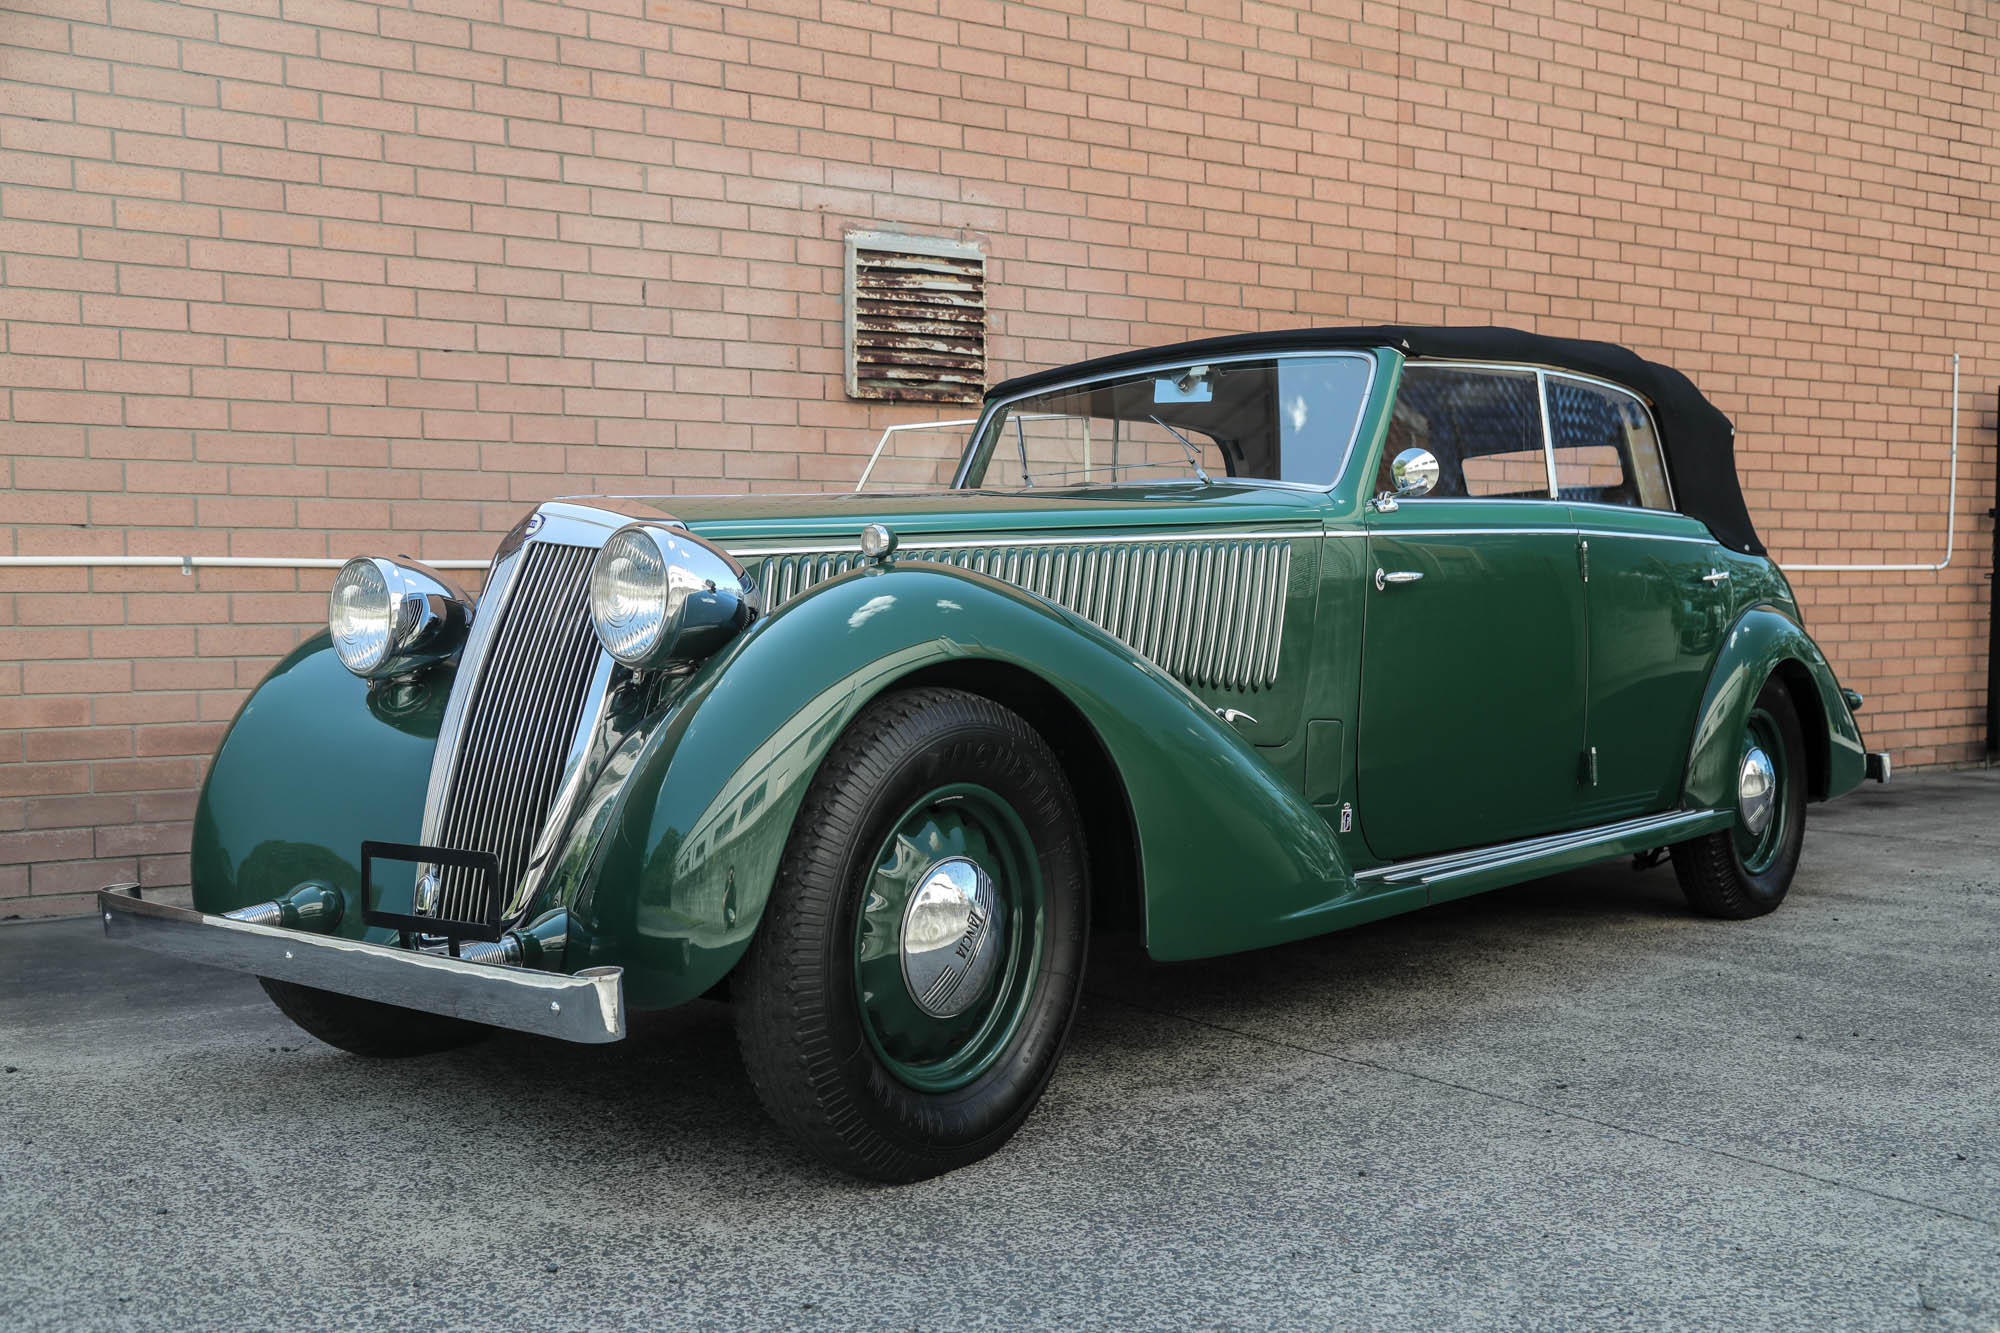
(916, 318)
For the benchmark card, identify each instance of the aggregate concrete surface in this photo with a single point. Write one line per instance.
(1568, 1105)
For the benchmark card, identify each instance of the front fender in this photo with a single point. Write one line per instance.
(690, 822)
(1763, 641)
(315, 762)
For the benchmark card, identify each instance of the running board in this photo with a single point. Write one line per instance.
(1457, 874)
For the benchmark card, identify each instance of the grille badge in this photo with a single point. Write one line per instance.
(947, 930)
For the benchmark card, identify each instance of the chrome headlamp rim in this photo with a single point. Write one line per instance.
(697, 596)
(424, 620)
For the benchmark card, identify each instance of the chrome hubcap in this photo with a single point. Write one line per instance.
(951, 919)
(1756, 790)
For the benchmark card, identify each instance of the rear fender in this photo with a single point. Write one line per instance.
(1765, 642)
(685, 832)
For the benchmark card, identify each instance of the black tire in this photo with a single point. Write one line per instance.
(369, 1027)
(1716, 873)
(818, 1066)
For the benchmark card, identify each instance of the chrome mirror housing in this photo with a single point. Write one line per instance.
(390, 617)
(1415, 472)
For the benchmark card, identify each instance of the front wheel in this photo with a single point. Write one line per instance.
(913, 979)
(1745, 871)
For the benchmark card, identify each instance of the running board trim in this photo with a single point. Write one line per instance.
(1553, 851)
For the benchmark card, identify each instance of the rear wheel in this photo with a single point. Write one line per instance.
(913, 979)
(1745, 871)
(369, 1027)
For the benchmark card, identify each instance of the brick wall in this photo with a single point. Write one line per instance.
(313, 277)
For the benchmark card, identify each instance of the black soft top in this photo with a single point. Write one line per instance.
(1699, 441)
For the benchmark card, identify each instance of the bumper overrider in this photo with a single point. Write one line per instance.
(588, 1006)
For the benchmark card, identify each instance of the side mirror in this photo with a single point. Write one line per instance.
(1415, 472)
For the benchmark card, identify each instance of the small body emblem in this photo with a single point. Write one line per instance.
(1346, 817)
(533, 526)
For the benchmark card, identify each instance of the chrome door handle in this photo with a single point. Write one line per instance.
(1715, 576)
(1383, 578)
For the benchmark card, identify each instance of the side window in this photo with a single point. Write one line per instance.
(1484, 427)
(1605, 449)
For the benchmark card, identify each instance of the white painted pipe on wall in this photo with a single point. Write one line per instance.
(1950, 508)
(187, 564)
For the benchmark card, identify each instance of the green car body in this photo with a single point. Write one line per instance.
(1267, 740)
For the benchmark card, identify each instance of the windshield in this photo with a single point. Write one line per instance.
(1276, 418)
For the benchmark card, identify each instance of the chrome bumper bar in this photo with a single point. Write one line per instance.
(586, 1007)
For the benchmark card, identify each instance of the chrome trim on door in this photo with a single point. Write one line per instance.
(1450, 865)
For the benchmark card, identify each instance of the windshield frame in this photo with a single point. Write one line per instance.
(985, 436)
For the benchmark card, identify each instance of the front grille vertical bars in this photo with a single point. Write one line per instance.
(520, 721)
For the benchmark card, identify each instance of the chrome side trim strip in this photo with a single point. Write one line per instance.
(1451, 864)
(586, 1007)
(1079, 539)
(1554, 529)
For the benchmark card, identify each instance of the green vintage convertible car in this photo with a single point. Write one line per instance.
(1232, 642)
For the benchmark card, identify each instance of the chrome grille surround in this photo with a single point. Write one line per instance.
(527, 701)
(1209, 611)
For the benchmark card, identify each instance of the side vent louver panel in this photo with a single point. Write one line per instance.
(916, 318)
(1209, 613)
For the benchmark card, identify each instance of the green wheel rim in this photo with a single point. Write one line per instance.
(934, 1054)
(1758, 851)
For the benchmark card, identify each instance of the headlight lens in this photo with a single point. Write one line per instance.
(662, 598)
(392, 617)
(362, 616)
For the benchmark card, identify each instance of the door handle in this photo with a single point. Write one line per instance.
(1383, 578)
(1715, 576)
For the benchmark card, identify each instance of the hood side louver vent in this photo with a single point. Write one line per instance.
(1210, 613)
(916, 318)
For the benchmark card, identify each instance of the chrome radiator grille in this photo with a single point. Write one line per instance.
(519, 723)
(1210, 613)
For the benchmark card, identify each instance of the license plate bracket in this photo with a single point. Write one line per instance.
(406, 924)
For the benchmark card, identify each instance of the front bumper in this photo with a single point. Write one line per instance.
(586, 1007)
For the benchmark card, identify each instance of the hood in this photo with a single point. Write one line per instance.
(735, 519)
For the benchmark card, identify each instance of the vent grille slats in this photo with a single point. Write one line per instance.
(916, 318)
(1209, 613)
(521, 718)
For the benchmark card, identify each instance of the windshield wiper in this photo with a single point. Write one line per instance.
(1194, 455)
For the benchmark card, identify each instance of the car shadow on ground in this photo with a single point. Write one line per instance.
(679, 1071)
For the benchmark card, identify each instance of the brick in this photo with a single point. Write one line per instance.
(306, 275)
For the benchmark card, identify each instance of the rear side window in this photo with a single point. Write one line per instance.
(1484, 427)
(1606, 451)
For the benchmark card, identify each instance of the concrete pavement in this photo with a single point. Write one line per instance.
(1564, 1105)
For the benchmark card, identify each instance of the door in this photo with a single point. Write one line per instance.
(1473, 679)
(1657, 592)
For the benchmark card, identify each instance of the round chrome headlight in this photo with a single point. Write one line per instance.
(661, 597)
(392, 617)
